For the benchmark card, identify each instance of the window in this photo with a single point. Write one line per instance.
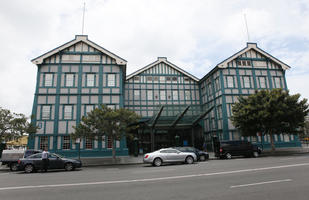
(156, 79)
(174, 79)
(111, 106)
(246, 82)
(90, 80)
(186, 79)
(187, 94)
(209, 88)
(66, 142)
(136, 94)
(277, 81)
(48, 82)
(243, 63)
(43, 142)
(248, 63)
(149, 79)
(46, 112)
(68, 112)
(262, 82)
(175, 95)
(162, 79)
(89, 108)
(149, 95)
(69, 80)
(136, 78)
(217, 84)
(162, 95)
(109, 143)
(89, 143)
(111, 80)
(230, 81)
(168, 78)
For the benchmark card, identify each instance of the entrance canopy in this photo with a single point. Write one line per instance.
(176, 116)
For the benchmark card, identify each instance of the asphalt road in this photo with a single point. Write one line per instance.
(285, 177)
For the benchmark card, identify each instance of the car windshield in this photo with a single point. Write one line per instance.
(37, 155)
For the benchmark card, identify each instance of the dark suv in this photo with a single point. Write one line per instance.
(201, 155)
(227, 149)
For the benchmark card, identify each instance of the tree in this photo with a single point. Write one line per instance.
(103, 121)
(13, 125)
(269, 112)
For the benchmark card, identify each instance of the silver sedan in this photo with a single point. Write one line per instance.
(169, 155)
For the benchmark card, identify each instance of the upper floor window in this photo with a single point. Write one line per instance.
(68, 111)
(111, 106)
(244, 63)
(136, 78)
(262, 82)
(174, 79)
(247, 82)
(162, 95)
(136, 94)
(149, 95)
(69, 80)
(175, 95)
(187, 95)
(217, 84)
(46, 112)
(89, 108)
(149, 79)
(155, 79)
(111, 80)
(162, 79)
(186, 79)
(277, 81)
(48, 82)
(230, 81)
(90, 80)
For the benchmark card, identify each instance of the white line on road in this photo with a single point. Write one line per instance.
(151, 179)
(260, 183)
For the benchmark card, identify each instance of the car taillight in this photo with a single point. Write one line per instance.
(221, 150)
(18, 161)
(146, 156)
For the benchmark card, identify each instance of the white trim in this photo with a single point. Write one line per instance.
(162, 60)
(78, 38)
(250, 46)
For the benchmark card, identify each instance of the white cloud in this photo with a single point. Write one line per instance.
(195, 35)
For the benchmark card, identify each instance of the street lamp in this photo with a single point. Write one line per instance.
(77, 141)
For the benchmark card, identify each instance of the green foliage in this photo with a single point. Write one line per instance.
(104, 121)
(14, 125)
(269, 112)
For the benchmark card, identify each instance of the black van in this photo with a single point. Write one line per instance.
(227, 149)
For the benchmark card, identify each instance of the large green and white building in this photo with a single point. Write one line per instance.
(176, 107)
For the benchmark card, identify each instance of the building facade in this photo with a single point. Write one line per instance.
(176, 107)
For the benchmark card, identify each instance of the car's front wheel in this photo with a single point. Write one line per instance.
(69, 167)
(189, 160)
(29, 168)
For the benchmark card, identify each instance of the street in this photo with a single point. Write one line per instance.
(282, 177)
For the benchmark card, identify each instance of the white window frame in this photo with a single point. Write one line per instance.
(277, 81)
(246, 80)
(187, 95)
(262, 79)
(230, 81)
(175, 94)
(149, 94)
(46, 111)
(66, 142)
(111, 80)
(89, 108)
(137, 94)
(67, 112)
(69, 80)
(162, 95)
(162, 79)
(48, 81)
(90, 80)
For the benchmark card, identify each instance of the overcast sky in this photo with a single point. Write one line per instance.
(195, 35)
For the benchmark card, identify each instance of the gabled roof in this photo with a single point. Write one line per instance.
(79, 38)
(162, 60)
(224, 63)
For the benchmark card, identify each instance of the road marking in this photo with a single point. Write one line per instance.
(151, 179)
(260, 183)
(158, 170)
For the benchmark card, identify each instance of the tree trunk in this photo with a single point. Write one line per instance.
(272, 142)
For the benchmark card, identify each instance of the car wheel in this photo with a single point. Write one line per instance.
(69, 167)
(189, 160)
(29, 168)
(14, 167)
(202, 157)
(228, 156)
(157, 162)
(255, 154)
